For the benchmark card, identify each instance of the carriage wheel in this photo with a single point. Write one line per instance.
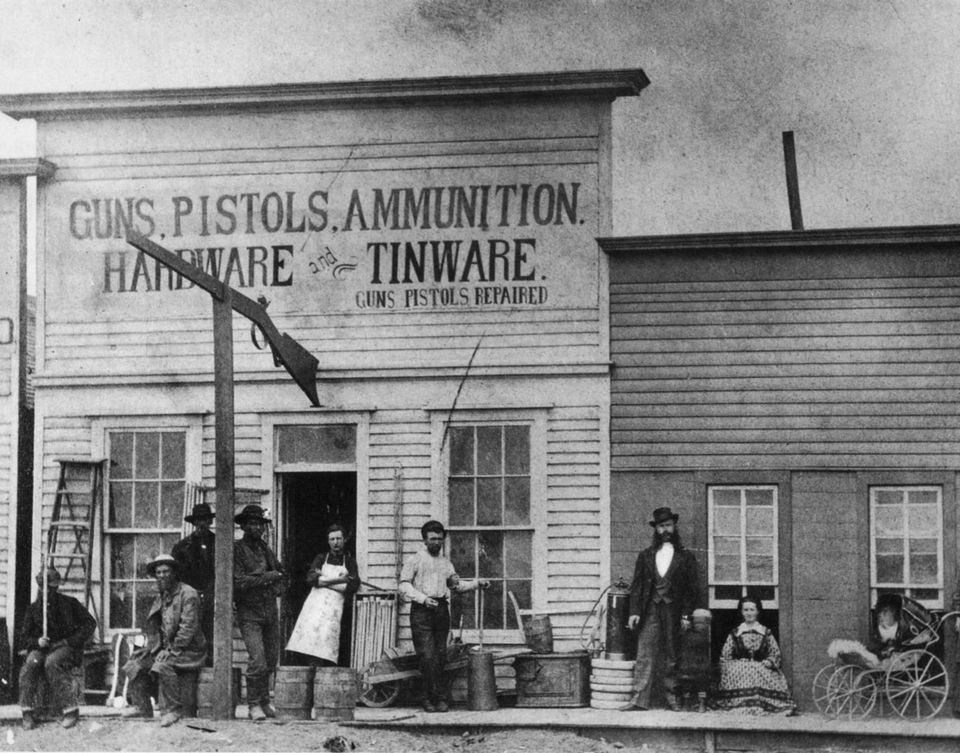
(380, 695)
(821, 692)
(917, 685)
(852, 691)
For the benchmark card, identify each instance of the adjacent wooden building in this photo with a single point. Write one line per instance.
(794, 396)
(431, 241)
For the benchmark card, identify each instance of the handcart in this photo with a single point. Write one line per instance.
(913, 682)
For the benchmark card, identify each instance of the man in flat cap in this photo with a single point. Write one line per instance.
(662, 598)
(175, 644)
(195, 555)
(53, 649)
(258, 580)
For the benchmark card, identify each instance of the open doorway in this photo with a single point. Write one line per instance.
(311, 502)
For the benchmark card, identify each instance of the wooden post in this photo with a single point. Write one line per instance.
(223, 707)
(793, 184)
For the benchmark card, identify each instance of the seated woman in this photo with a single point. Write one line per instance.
(751, 681)
(889, 632)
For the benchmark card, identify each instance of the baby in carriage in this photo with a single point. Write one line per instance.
(889, 632)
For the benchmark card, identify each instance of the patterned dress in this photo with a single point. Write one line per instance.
(747, 685)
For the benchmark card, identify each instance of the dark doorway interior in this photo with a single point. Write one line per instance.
(311, 502)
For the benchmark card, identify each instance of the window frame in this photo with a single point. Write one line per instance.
(905, 588)
(192, 428)
(774, 583)
(536, 421)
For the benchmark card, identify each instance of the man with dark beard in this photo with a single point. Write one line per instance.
(662, 598)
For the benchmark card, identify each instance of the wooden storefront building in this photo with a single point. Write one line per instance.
(431, 242)
(793, 395)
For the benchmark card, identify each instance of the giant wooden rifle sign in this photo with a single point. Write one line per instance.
(301, 365)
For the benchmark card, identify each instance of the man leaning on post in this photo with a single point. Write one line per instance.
(426, 581)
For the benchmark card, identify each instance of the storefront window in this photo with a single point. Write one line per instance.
(743, 544)
(906, 542)
(491, 536)
(147, 479)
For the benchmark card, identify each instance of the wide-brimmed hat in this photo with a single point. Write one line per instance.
(662, 514)
(200, 510)
(251, 512)
(162, 559)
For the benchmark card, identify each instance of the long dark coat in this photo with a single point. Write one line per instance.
(682, 575)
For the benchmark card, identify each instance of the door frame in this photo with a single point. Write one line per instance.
(270, 468)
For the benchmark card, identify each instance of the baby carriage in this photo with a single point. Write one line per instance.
(912, 681)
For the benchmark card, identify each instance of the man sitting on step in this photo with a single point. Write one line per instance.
(53, 653)
(175, 645)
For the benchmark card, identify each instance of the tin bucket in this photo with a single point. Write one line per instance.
(538, 634)
(206, 692)
(293, 692)
(481, 682)
(335, 692)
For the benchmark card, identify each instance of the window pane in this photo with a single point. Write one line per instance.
(888, 520)
(461, 451)
(889, 569)
(121, 605)
(121, 504)
(489, 511)
(759, 545)
(759, 568)
(923, 496)
(517, 449)
(726, 521)
(726, 567)
(121, 454)
(727, 497)
(759, 521)
(461, 502)
(147, 455)
(759, 497)
(144, 591)
(493, 606)
(463, 553)
(727, 545)
(174, 454)
(489, 451)
(517, 501)
(148, 546)
(146, 508)
(922, 519)
(490, 554)
(923, 546)
(888, 496)
(521, 591)
(923, 568)
(121, 556)
(171, 504)
(518, 554)
(333, 443)
(889, 546)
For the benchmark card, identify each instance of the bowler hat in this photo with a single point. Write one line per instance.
(250, 512)
(200, 510)
(662, 514)
(162, 559)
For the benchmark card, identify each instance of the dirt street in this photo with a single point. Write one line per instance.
(113, 734)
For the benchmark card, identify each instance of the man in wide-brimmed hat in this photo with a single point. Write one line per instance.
(53, 649)
(196, 556)
(175, 644)
(258, 580)
(662, 597)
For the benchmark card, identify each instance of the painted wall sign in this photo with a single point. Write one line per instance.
(418, 240)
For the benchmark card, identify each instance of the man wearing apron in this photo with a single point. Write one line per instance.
(323, 627)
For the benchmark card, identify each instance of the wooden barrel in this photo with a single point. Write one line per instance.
(335, 691)
(293, 692)
(206, 692)
(538, 634)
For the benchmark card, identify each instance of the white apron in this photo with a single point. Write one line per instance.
(317, 632)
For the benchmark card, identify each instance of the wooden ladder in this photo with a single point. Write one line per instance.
(70, 535)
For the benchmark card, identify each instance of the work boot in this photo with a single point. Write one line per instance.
(256, 713)
(29, 720)
(70, 719)
(169, 718)
(268, 710)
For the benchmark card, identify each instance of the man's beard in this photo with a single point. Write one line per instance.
(673, 538)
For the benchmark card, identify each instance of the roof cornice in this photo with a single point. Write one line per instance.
(26, 166)
(779, 239)
(604, 84)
